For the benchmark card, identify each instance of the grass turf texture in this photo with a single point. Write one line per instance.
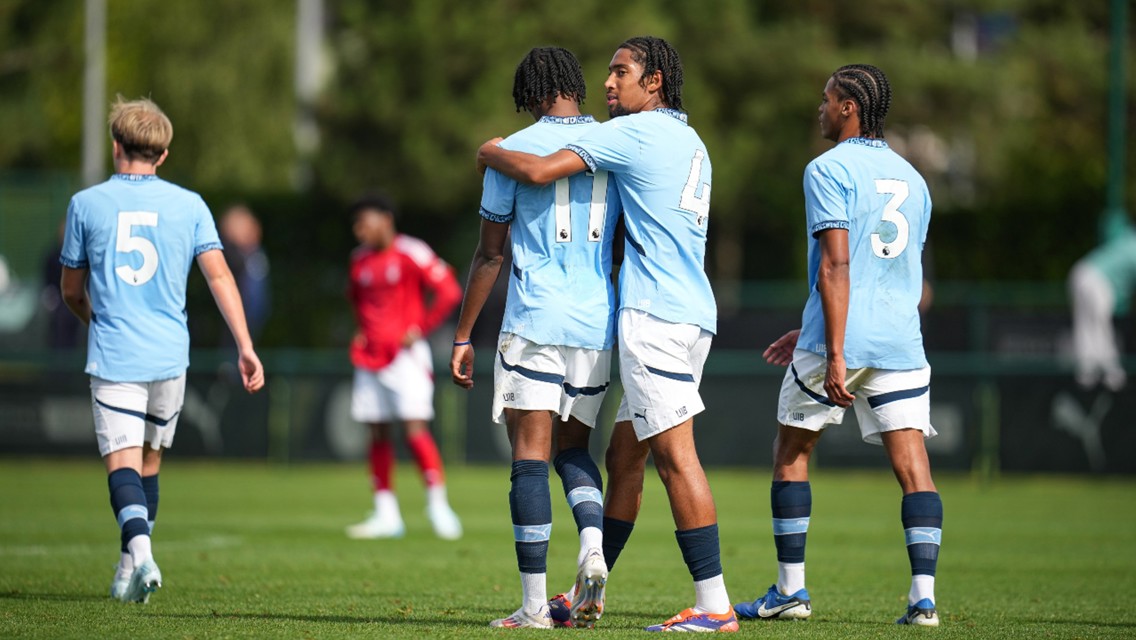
(248, 550)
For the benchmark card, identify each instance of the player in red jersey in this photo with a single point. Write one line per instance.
(400, 291)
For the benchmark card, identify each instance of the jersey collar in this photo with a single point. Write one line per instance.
(674, 113)
(581, 119)
(875, 143)
(135, 177)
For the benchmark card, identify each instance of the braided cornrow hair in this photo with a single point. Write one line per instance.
(544, 74)
(869, 88)
(655, 54)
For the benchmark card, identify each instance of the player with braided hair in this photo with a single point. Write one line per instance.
(869, 88)
(547, 73)
(667, 314)
(656, 54)
(859, 345)
(554, 349)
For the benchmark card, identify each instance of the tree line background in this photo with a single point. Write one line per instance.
(1001, 104)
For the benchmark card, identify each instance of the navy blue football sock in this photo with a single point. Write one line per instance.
(128, 501)
(583, 487)
(150, 487)
(531, 506)
(616, 533)
(700, 551)
(922, 514)
(792, 504)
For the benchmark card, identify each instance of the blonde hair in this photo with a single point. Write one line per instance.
(141, 128)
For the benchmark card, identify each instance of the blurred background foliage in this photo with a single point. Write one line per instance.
(1001, 104)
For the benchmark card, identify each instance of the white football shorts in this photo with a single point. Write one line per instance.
(570, 381)
(129, 414)
(402, 390)
(660, 366)
(886, 400)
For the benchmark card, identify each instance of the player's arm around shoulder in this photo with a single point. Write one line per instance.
(526, 167)
(228, 299)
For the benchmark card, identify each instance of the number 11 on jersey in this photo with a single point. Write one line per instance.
(597, 209)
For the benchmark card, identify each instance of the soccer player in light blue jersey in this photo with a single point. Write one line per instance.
(127, 249)
(867, 211)
(667, 313)
(554, 350)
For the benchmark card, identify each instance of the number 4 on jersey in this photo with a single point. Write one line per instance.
(690, 201)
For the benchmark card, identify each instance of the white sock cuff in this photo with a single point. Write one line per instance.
(590, 538)
(710, 595)
(922, 586)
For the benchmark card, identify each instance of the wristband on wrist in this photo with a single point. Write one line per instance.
(460, 343)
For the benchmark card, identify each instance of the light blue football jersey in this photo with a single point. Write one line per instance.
(560, 289)
(863, 186)
(663, 173)
(138, 236)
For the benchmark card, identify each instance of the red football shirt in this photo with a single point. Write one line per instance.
(394, 289)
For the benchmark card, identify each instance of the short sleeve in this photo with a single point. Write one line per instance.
(613, 146)
(205, 233)
(826, 199)
(498, 193)
(74, 253)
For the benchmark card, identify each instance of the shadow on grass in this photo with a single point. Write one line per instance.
(333, 619)
(63, 597)
(1082, 623)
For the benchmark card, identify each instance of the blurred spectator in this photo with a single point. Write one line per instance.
(1100, 287)
(62, 325)
(5, 278)
(240, 234)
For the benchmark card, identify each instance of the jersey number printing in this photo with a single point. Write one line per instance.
(596, 212)
(698, 205)
(128, 243)
(892, 214)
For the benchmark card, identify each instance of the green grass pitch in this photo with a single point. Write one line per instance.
(249, 550)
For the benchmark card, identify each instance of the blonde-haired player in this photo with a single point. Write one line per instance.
(127, 249)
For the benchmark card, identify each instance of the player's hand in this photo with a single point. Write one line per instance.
(252, 372)
(834, 382)
(780, 352)
(461, 366)
(493, 142)
(413, 334)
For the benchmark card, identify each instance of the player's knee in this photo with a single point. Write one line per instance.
(626, 462)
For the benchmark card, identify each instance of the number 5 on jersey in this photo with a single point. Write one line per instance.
(128, 243)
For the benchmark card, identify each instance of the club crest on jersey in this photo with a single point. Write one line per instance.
(393, 273)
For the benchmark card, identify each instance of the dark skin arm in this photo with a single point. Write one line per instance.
(780, 352)
(73, 287)
(833, 285)
(527, 168)
(483, 272)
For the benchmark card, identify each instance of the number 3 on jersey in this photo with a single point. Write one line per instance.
(899, 192)
(128, 243)
(597, 210)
